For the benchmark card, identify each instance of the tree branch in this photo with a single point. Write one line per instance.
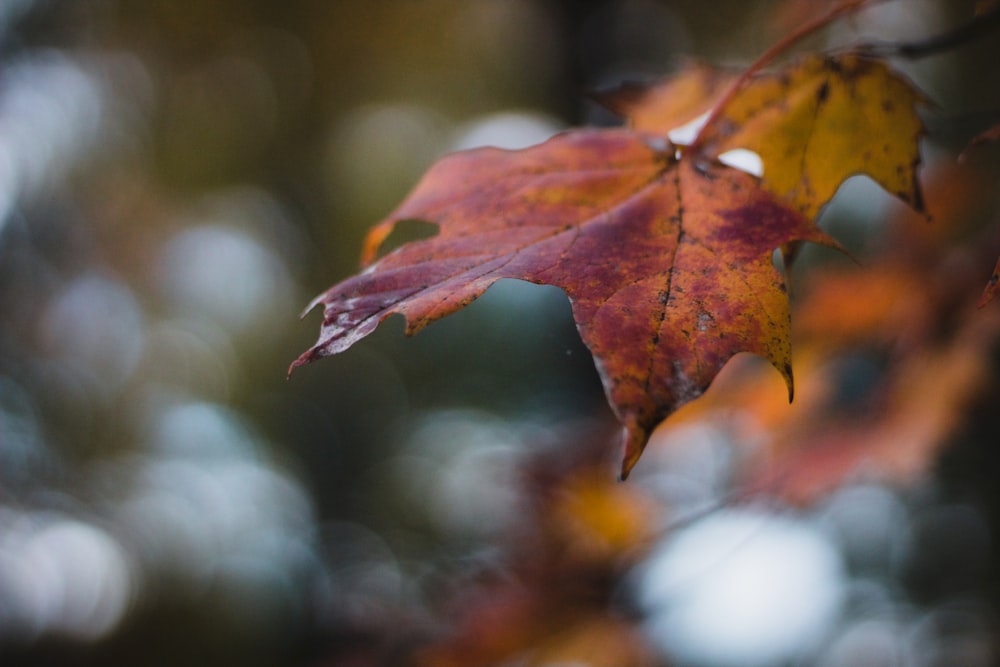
(973, 29)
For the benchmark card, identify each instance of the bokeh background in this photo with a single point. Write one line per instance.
(178, 180)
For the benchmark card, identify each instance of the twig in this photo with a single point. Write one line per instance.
(973, 29)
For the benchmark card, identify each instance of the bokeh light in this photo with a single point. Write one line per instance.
(742, 588)
(61, 576)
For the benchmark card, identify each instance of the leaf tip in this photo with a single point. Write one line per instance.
(312, 304)
(303, 359)
(786, 372)
(634, 439)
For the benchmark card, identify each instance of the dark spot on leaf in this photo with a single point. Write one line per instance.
(665, 161)
(994, 279)
(823, 93)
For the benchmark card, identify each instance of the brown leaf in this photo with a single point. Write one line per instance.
(667, 263)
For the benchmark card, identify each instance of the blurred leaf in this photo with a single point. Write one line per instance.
(890, 355)
(579, 532)
(673, 102)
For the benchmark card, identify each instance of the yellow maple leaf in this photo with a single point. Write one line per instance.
(822, 121)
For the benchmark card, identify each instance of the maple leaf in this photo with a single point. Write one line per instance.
(824, 120)
(665, 254)
(667, 262)
(813, 124)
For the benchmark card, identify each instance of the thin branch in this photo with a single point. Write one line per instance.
(976, 27)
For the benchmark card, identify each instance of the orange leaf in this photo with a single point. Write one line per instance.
(924, 400)
(667, 263)
(673, 102)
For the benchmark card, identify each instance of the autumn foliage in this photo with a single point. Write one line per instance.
(663, 248)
